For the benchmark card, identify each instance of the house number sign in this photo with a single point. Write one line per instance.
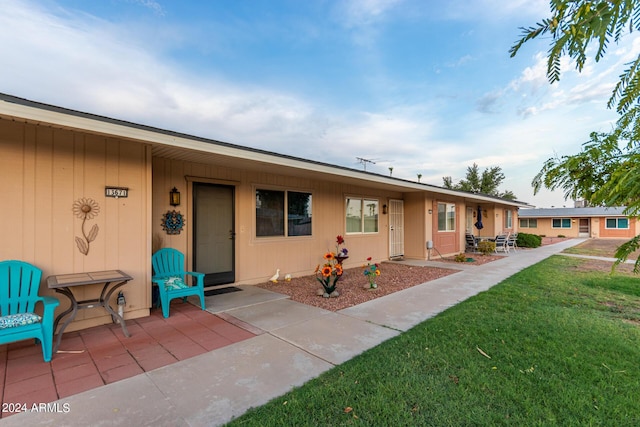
(116, 192)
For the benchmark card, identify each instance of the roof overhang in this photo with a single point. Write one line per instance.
(180, 146)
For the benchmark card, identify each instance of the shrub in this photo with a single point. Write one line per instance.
(460, 258)
(528, 240)
(561, 235)
(485, 247)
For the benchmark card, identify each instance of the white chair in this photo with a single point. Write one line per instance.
(472, 243)
(512, 241)
(502, 243)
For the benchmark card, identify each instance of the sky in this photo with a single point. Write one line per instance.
(425, 87)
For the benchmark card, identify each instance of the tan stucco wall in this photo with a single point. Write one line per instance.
(44, 171)
(257, 258)
(615, 233)
(544, 229)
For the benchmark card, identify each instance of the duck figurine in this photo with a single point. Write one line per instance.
(275, 277)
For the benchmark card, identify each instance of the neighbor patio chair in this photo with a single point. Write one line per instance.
(512, 241)
(19, 286)
(171, 278)
(502, 243)
(472, 243)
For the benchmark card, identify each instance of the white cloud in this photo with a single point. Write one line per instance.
(532, 78)
(359, 13)
(150, 4)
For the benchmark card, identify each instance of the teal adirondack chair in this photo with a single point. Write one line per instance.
(169, 275)
(19, 285)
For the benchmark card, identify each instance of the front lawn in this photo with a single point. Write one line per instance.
(551, 345)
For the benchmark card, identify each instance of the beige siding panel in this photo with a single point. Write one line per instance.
(47, 170)
(63, 220)
(12, 159)
(416, 227)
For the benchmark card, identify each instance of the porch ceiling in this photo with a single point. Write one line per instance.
(309, 171)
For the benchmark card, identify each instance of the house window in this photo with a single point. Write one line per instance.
(617, 223)
(561, 223)
(446, 217)
(508, 219)
(298, 213)
(362, 215)
(273, 206)
(528, 223)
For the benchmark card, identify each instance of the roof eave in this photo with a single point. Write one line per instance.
(15, 108)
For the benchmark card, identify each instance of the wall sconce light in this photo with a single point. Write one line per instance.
(474, 214)
(174, 197)
(384, 209)
(430, 211)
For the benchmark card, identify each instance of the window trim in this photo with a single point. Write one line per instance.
(617, 220)
(285, 190)
(446, 220)
(363, 200)
(561, 223)
(508, 219)
(528, 222)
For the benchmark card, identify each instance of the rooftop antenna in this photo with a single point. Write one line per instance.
(364, 162)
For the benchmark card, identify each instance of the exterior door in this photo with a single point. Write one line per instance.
(446, 233)
(213, 232)
(583, 227)
(396, 228)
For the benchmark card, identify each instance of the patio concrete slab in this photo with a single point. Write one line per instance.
(405, 309)
(213, 388)
(135, 401)
(276, 314)
(334, 337)
(247, 296)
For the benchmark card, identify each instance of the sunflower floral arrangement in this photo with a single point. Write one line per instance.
(328, 275)
(371, 271)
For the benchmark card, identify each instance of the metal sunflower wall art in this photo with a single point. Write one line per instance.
(85, 209)
(172, 222)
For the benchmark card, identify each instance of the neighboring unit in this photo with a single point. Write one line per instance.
(600, 222)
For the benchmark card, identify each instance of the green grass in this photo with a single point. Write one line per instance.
(564, 348)
(585, 250)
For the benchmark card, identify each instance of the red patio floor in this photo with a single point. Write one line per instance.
(102, 355)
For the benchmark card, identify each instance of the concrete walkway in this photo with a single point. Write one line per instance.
(296, 343)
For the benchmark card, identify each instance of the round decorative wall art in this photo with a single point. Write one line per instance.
(172, 222)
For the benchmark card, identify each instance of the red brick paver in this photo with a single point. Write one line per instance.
(102, 355)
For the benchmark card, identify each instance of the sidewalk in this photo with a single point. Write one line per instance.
(293, 344)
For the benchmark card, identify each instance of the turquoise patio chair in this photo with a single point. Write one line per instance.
(170, 276)
(19, 286)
